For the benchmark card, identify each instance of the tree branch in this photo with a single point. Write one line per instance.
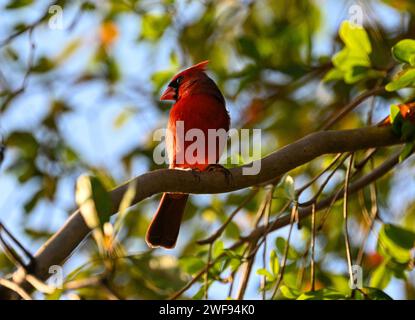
(60, 246)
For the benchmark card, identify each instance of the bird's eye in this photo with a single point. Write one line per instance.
(175, 83)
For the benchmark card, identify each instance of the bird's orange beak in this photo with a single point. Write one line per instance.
(168, 94)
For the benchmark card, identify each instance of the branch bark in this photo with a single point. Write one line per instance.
(60, 246)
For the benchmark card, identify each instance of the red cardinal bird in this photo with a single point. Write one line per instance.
(199, 104)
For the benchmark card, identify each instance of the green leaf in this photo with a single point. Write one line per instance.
(396, 242)
(217, 249)
(199, 294)
(396, 119)
(31, 204)
(352, 63)
(88, 6)
(280, 244)
(93, 200)
(248, 47)
(404, 79)
(102, 200)
(274, 263)
(126, 201)
(25, 141)
(289, 187)
(404, 51)
(398, 269)
(381, 277)
(56, 295)
(323, 294)
(11, 52)
(192, 265)
(95, 206)
(266, 273)
(408, 130)
(355, 37)
(399, 236)
(38, 233)
(347, 59)
(406, 151)
(334, 74)
(395, 111)
(375, 294)
(68, 51)
(356, 73)
(69, 156)
(232, 230)
(43, 65)
(17, 4)
(123, 117)
(113, 72)
(289, 293)
(153, 26)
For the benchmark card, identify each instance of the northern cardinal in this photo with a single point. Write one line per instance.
(199, 104)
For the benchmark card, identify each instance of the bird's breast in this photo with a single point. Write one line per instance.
(190, 123)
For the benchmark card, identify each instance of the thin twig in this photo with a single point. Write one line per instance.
(30, 60)
(301, 272)
(300, 190)
(252, 249)
(82, 283)
(247, 270)
(112, 294)
(39, 285)
(369, 155)
(361, 200)
(329, 207)
(29, 28)
(231, 283)
(338, 115)
(373, 215)
(198, 275)
(264, 252)
(270, 225)
(222, 228)
(11, 253)
(323, 185)
(313, 244)
(287, 247)
(345, 216)
(209, 258)
(16, 288)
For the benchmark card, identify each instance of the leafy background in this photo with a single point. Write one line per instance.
(84, 98)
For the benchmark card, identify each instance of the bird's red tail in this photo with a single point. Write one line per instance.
(164, 228)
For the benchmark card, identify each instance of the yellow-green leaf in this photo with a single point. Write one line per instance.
(404, 51)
